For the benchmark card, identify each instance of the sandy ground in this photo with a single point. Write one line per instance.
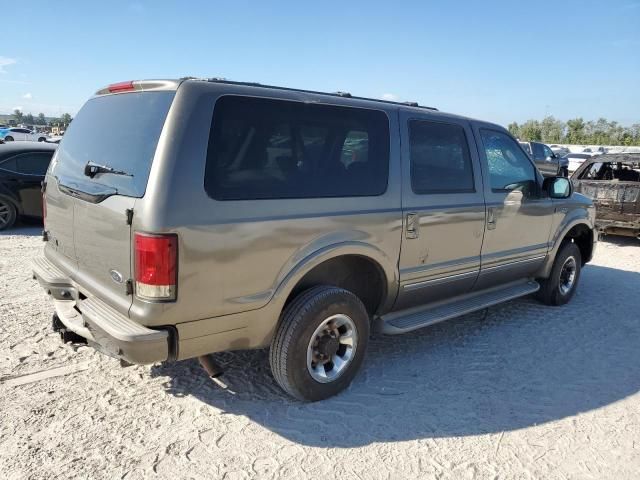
(520, 391)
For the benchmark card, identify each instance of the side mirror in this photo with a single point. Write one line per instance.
(558, 187)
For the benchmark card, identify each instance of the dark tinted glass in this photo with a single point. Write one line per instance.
(119, 131)
(440, 160)
(509, 167)
(9, 164)
(538, 151)
(34, 163)
(260, 149)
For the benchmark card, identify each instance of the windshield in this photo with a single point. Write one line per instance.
(116, 131)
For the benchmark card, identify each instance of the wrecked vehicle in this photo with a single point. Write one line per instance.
(613, 182)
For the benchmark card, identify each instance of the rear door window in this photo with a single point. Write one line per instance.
(31, 163)
(119, 131)
(440, 158)
(538, 151)
(268, 149)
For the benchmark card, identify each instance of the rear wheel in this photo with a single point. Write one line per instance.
(320, 343)
(8, 214)
(41, 139)
(561, 285)
(8, 139)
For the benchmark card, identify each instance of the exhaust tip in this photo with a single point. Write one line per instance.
(213, 368)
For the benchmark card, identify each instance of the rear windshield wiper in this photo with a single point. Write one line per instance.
(93, 169)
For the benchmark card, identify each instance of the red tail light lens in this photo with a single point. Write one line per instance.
(121, 87)
(156, 266)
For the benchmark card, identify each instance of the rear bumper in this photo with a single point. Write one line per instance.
(104, 328)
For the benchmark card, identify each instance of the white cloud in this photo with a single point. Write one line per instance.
(390, 96)
(27, 96)
(5, 62)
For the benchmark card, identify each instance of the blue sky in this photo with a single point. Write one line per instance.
(495, 60)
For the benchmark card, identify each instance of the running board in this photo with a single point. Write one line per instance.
(407, 320)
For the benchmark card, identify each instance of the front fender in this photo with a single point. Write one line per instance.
(582, 215)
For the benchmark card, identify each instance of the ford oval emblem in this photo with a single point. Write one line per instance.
(116, 276)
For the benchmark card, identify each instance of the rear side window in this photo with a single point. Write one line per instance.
(538, 151)
(33, 163)
(118, 131)
(268, 149)
(440, 159)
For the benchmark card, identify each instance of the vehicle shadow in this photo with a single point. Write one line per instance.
(510, 367)
(25, 227)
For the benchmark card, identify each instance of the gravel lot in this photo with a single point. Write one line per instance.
(519, 391)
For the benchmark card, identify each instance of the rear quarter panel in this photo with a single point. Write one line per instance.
(234, 255)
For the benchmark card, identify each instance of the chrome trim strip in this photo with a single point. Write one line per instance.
(437, 281)
(507, 265)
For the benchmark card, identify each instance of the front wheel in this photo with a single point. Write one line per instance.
(320, 343)
(42, 139)
(8, 214)
(559, 288)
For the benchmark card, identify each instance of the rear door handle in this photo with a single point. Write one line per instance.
(413, 225)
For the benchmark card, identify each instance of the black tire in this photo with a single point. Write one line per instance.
(553, 290)
(42, 139)
(8, 139)
(8, 214)
(298, 323)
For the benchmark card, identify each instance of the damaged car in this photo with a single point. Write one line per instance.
(613, 182)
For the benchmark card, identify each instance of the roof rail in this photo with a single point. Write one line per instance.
(335, 94)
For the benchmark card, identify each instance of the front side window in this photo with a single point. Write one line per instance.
(268, 149)
(509, 167)
(547, 152)
(440, 159)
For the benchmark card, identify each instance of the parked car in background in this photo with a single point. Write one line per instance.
(559, 151)
(282, 229)
(595, 151)
(574, 160)
(613, 182)
(22, 169)
(21, 134)
(549, 164)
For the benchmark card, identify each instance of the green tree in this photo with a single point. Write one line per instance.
(66, 119)
(28, 119)
(42, 119)
(575, 131)
(18, 115)
(552, 130)
(514, 129)
(531, 131)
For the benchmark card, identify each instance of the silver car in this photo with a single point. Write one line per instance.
(234, 216)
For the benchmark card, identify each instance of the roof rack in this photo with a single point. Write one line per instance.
(335, 94)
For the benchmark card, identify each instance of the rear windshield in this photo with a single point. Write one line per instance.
(120, 132)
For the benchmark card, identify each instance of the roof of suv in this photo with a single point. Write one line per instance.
(173, 84)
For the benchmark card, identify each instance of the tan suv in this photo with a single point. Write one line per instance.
(195, 216)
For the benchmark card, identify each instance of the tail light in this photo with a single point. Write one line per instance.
(121, 87)
(156, 266)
